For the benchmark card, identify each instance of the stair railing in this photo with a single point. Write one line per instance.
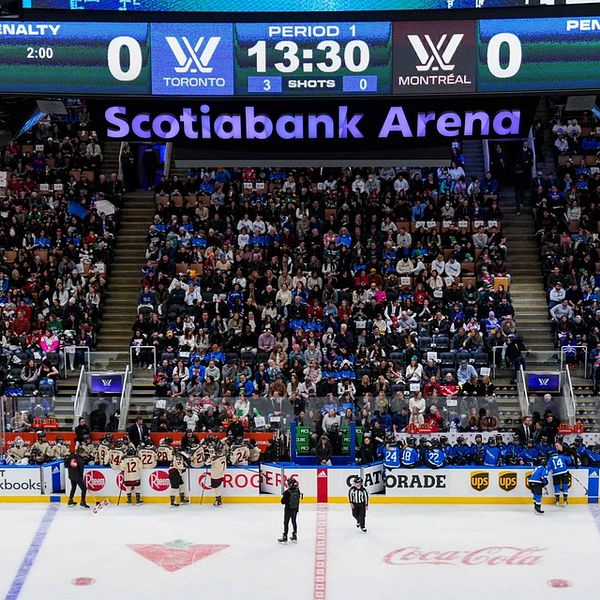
(569, 397)
(585, 357)
(153, 348)
(81, 397)
(125, 399)
(522, 392)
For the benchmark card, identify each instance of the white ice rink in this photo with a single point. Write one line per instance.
(197, 552)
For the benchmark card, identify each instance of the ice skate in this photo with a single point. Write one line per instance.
(283, 539)
(173, 503)
(294, 537)
(183, 499)
(565, 502)
(557, 500)
(363, 529)
(84, 505)
(138, 500)
(538, 509)
(71, 503)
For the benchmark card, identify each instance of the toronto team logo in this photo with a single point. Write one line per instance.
(193, 58)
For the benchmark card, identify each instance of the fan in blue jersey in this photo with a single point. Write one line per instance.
(493, 454)
(410, 457)
(530, 454)
(538, 480)
(557, 465)
(435, 457)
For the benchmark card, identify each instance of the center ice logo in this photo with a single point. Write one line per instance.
(159, 481)
(480, 480)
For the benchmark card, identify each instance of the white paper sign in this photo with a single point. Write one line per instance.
(247, 185)
(463, 224)
(446, 224)
(39, 147)
(58, 187)
(260, 186)
(452, 402)
(492, 223)
(259, 422)
(415, 387)
(432, 355)
(3, 179)
(484, 371)
(478, 223)
(419, 224)
(44, 187)
(404, 280)
(431, 224)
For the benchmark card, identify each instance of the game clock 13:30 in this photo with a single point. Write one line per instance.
(318, 58)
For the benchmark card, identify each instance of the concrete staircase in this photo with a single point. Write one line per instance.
(110, 157)
(473, 153)
(120, 307)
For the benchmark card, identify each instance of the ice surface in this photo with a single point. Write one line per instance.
(231, 552)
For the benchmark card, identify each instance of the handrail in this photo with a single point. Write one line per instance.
(125, 397)
(80, 396)
(131, 348)
(120, 165)
(522, 391)
(585, 357)
(87, 356)
(494, 366)
(570, 401)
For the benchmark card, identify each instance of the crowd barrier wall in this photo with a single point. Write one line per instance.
(450, 485)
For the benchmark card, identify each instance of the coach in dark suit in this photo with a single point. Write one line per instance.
(525, 430)
(137, 432)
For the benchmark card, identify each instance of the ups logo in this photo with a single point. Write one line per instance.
(480, 480)
(527, 476)
(507, 480)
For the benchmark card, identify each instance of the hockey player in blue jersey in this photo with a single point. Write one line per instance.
(447, 449)
(492, 455)
(530, 455)
(557, 465)
(513, 454)
(478, 451)
(538, 480)
(462, 451)
(543, 447)
(409, 455)
(435, 457)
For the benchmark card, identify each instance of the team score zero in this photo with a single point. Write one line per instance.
(45, 53)
(355, 56)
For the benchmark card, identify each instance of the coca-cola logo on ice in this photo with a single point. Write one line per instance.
(159, 481)
(490, 556)
(95, 480)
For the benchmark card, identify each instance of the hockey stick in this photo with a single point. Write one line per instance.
(581, 484)
(100, 506)
(119, 498)
(202, 486)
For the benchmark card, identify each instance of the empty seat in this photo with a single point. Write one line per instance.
(425, 343)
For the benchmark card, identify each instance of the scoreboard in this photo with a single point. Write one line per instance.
(295, 59)
(284, 6)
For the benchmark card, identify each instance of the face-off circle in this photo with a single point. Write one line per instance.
(559, 583)
(83, 581)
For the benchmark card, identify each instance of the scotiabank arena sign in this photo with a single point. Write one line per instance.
(292, 126)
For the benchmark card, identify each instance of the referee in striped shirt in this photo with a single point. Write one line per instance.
(359, 501)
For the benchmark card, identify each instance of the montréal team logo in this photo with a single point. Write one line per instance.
(440, 53)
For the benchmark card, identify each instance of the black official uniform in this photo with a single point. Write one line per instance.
(74, 463)
(359, 500)
(291, 503)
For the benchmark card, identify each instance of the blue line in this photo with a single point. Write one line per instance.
(32, 552)
(595, 510)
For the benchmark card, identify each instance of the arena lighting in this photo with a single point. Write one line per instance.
(248, 124)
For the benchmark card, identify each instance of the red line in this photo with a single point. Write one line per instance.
(320, 571)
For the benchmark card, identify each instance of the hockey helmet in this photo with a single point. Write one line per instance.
(131, 452)
(491, 441)
(292, 482)
(411, 441)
